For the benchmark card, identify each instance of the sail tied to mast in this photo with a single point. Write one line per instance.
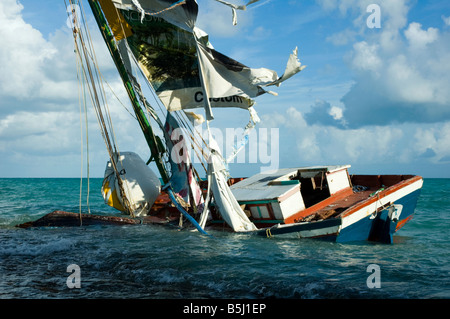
(178, 59)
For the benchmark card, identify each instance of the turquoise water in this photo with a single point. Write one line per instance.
(155, 262)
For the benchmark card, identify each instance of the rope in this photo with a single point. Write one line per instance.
(87, 149)
(98, 98)
(81, 138)
(101, 80)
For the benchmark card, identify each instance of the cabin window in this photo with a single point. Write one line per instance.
(260, 212)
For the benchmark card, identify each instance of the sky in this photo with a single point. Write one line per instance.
(376, 97)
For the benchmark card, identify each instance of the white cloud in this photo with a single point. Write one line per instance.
(401, 72)
(402, 148)
(324, 113)
(394, 14)
(39, 100)
(336, 112)
(407, 83)
(23, 53)
(436, 139)
(328, 144)
(38, 131)
(419, 38)
(34, 67)
(366, 57)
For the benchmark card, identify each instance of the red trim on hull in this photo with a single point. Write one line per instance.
(310, 210)
(380, 195)
(402, 222)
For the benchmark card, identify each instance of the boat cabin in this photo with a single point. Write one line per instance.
(282, 194)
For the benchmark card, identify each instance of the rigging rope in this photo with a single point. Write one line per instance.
(80, 89)
(81, 138)
(98, 99)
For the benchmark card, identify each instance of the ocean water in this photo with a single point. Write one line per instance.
(154, 262)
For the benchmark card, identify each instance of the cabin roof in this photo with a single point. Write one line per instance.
(274, 184)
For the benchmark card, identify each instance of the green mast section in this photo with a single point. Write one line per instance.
(142, 119)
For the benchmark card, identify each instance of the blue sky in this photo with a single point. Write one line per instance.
(375, 98)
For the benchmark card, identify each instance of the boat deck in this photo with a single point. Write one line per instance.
(338, 206)
(362, 187)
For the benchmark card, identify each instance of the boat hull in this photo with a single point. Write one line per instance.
(380, 219)
(376, 219)
(352, 214)
(382, 226)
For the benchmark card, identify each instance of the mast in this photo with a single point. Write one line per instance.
(142, 119)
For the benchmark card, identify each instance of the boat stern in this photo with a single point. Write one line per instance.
(377, 220)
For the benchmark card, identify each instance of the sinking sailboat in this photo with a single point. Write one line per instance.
(158, 40)
(327, 202)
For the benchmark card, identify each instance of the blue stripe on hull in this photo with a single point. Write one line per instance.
(382, 227)
(355, 232)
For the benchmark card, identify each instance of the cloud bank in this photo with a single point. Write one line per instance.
(397, 112)
(39, 101)
(401, 71)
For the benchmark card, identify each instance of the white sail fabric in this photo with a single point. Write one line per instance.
(293, 67)
(228, 207)
(178, 60)
(224, 77)
(140, 184)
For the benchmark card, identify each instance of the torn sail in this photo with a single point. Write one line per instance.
(177, 58)
(225, 202)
